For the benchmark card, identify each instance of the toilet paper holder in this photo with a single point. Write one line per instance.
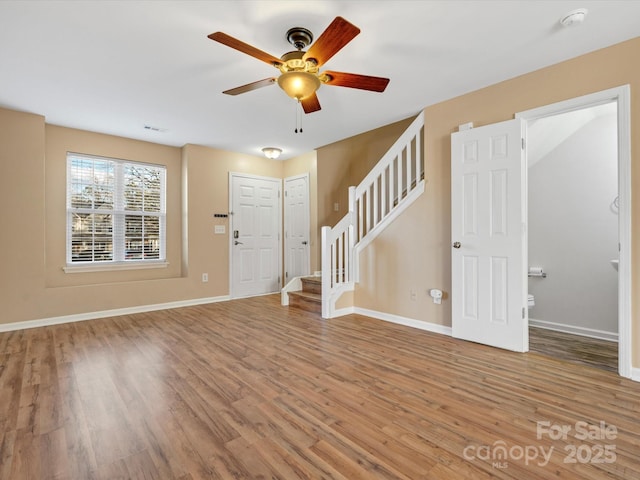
(537, 272)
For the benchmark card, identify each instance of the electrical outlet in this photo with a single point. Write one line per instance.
(205, 277)
(413, 295)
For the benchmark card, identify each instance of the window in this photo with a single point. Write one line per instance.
(115, 211)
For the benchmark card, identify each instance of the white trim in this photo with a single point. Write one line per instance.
(408, 322)
(341, 312)
(621, 95)
(114, 266)
(81, 317)
(574, 330)
(635, 374)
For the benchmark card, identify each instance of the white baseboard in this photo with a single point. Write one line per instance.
(635, 374)
(585, 332)
(408, 322)
(340, 312)
(80, 317)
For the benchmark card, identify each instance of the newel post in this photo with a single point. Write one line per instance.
(325, 259)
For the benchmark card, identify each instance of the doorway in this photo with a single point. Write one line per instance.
(297, 261)
(585, 110)
(572, 180)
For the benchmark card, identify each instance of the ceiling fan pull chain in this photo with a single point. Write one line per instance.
(298, 117)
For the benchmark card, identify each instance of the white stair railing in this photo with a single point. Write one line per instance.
(389, 188)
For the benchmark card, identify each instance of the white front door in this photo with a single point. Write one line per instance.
(488, 222)
(255, 238)
(296, 227)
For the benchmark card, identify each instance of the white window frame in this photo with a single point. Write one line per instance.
(118, 213)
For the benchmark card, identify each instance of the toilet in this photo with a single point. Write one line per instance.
(530, 301)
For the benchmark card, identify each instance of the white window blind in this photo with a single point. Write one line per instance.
(116, 211)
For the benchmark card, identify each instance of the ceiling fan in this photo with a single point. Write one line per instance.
(300, 75)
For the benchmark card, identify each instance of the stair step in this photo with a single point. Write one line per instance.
(311, 302)
(312, 284)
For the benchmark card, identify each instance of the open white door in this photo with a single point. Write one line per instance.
(255, 235)
(296, 227)
(488, 222)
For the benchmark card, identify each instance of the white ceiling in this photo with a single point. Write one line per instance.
(116, 66)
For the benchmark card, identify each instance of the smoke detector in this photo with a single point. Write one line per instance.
(574, 17)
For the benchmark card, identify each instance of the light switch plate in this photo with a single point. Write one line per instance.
(218, 229)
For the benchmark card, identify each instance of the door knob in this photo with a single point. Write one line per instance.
(304, 242)
(457, 244)
(238, 243)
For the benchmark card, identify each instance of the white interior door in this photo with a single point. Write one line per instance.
(488, 231)
(296, 227)
(255, 237)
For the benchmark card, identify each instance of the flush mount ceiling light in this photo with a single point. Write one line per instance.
(574, 17)
(271, 152)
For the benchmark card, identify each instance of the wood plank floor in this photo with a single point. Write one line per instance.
(248, 389)
(575, 348)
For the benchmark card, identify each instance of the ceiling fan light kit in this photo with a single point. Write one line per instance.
(299, 85)
(300, 75)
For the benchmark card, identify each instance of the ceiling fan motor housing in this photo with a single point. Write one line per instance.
(294, 62)
(299, 37)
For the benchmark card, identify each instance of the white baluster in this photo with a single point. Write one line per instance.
(399, 196)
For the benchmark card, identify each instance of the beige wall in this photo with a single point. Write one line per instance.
(208, 193)
(344, 164)
(414, 253)
(33, 285)
(61, 140)
(22, 275)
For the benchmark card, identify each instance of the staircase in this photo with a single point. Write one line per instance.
(310, 297)
(393, 184)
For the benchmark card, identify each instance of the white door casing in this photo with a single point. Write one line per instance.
(488, 223)
(296, 227)
(255, 235)
(622, 96)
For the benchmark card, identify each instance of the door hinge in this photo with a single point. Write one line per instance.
(286, 274)
(523, 312)
(524, 143)
(278, 279)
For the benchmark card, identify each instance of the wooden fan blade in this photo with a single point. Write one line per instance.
(354, 80)
(250, 86)
(229, 41)
(337, 35)
(310, 104)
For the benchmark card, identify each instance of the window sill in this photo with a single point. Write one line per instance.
(114, 267)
